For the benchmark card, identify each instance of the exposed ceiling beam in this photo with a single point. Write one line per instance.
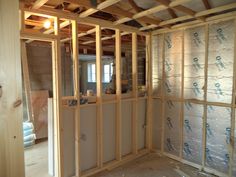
(105, 38)
(206, 4)
(185, 10)
(100, 6)
(171, 11)
(49, 31)
(37, 4)
(135, 6)
(136, 9)
(115, 11)
(187, 17)
(156, 9)
(47, 11)
(215, 10)
(180, 8)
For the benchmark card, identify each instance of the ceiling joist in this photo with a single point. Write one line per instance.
(154, 10)
(101, 6)
(115, 11)
(37, 4)
(206, 4)
(188, 17)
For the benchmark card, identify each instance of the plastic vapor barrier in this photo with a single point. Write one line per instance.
(157, 64)
(172, 128)
(194, 63)
(189, 111)
(173, 63)
(218, 137)
(192, 140)
(220, 62)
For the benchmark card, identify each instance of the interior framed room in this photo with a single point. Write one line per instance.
(118, 88)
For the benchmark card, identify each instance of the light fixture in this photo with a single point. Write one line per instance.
(47, 24)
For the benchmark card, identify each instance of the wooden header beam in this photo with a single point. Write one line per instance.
(87, 20)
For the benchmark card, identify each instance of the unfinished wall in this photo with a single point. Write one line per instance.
(192, 89)
(40, 68)
(11, 138)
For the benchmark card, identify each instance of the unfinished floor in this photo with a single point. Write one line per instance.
(36, 160)
(154, 165)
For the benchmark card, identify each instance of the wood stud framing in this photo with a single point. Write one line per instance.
(232, 132)
(135, 91)
(99, 95)
(118, 94)
(205, 103)
(76, 94)
(57, 81)
(56, 63)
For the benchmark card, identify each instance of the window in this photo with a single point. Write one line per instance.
(107, 72)
(91, 72)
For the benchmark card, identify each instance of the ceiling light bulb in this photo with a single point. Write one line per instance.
(47, 24)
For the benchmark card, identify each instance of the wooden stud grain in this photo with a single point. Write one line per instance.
(56, 64)
(118, 94)
(75, 51)
(232, 132)
(204, 138)
(149, 92)
(99, 95)
(135, 93)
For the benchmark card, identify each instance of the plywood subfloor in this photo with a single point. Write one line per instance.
(36, 160)
(154, 165)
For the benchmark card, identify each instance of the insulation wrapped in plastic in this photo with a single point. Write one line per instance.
(157, 124)
(173, 63)
(218, 137)
(28, 132)
(220, 62)
(172, 128)
(192, 135)
(157, 64)
(194, 63)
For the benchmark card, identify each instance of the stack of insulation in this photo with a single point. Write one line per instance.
(29, 136)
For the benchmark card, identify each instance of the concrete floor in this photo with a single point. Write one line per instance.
(154, 165)
(36, 160)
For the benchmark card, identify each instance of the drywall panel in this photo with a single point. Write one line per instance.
(141, 123)
(109, 132)
(218, 137)
(172, 127)
(69, 141)
(157, 124)
(157, 64)
(88, 137)
(126, 127)
(192, 134)
(173, 63)
(220, 62)
(194, 63)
